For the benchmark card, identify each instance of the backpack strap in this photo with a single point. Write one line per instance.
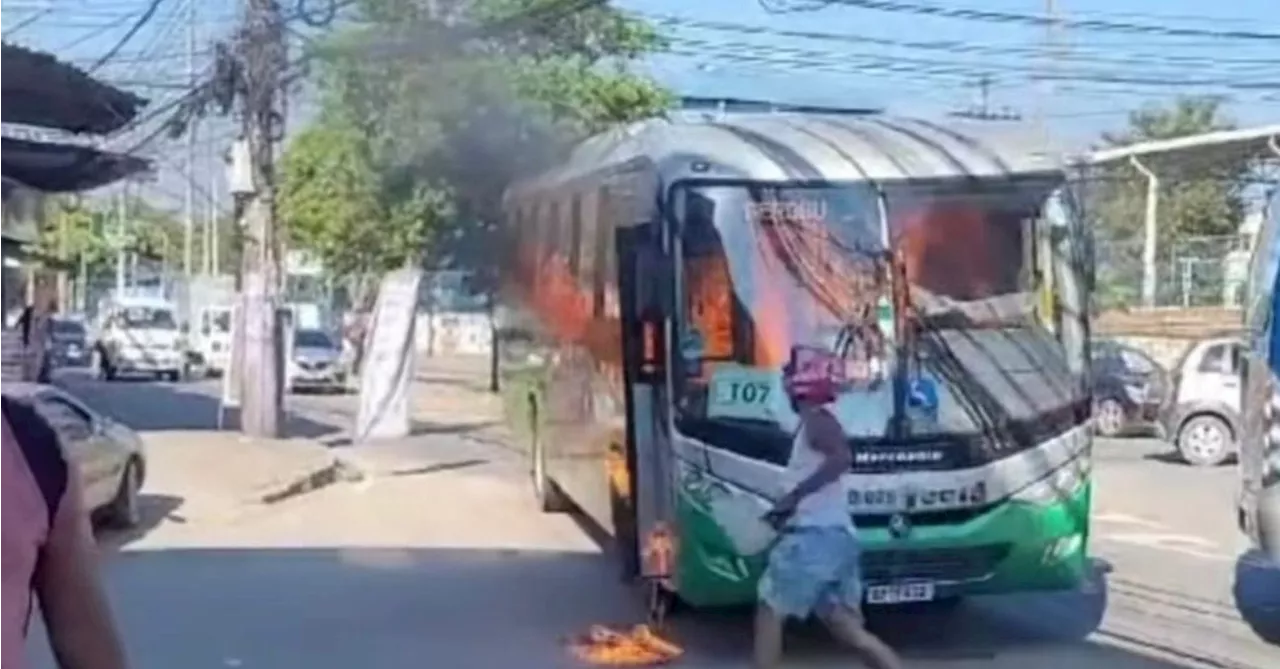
(43, 452)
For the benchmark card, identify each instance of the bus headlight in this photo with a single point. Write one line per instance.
(1061, 484)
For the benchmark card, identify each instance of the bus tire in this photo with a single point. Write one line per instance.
(550, 498)
(660, 603)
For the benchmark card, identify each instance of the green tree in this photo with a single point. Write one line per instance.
(329, 199)
(73, 234)
(443, 103)
(1201, 195)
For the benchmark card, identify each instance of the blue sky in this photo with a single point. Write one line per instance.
(856, 57)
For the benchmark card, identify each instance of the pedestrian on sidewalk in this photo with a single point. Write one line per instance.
(814, 567)
(49, 552)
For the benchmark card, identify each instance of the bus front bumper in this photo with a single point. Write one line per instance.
(1011, 547)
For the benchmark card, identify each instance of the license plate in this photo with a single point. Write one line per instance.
(900, 594)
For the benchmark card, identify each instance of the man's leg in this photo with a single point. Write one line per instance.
(847, 625)
(842, 611)
(768, 637)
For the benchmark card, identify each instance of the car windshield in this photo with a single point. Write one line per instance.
(65, 328)
(148, 318)
(312, 339)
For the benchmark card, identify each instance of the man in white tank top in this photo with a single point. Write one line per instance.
(814, 568)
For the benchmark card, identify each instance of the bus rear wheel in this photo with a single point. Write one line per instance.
(550, 498)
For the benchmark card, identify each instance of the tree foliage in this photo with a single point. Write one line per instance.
(435, 106)
(1201, 195)
(74, 231)
(86, 234)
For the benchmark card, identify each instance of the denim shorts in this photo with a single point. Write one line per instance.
(811, 569)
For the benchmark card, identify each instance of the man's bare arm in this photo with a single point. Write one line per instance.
(827, 437)
(77, 616)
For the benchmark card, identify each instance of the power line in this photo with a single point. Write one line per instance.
(837, 61)
(94, 33)
(142, 21)
(28, 21)
(1036, 21)
(949, 46)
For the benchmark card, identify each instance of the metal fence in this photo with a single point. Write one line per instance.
(1190, 272)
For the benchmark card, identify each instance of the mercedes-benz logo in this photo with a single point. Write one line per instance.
(899, 526)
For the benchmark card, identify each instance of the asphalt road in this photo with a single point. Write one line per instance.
(453, 568)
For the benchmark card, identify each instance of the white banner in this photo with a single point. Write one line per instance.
(235, 362)
(389, 355)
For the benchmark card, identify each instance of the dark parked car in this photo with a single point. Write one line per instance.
(68, 343)
(1129, 388)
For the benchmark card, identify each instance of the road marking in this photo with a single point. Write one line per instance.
(1126, 519)
(1193, 546)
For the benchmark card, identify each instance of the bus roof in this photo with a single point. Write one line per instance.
(812, 147)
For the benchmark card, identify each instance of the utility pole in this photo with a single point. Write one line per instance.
(211, 229)
(189, 210)
(1048, 87)
(984, 91)
(262, 58)
(120, 236)
(983, 111)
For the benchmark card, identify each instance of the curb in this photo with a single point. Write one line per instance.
(337, 470)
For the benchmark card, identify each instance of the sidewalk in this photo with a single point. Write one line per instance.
(216, 475)
(455, 420)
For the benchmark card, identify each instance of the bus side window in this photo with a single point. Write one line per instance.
(575, 236)
(599, 241)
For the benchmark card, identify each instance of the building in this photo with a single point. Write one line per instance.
(48, 106)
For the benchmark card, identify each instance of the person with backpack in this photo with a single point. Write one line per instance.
(49, 552)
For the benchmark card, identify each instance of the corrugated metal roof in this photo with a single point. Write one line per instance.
(40, 90)
(61, 168)
(806, 146)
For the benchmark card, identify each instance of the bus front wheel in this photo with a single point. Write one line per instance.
(660, 602)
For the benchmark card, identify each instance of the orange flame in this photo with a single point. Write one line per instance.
(640, 647)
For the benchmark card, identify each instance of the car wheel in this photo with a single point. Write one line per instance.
(124, 512)
(1205, 441)
(1108, 417)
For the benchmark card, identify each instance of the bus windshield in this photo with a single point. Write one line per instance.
(766, 267)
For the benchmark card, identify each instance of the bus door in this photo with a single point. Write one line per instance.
(644, 270)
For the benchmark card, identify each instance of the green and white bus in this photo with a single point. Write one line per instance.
(655, 282)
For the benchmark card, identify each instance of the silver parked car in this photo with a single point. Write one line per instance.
(317, 362)
(109, 455)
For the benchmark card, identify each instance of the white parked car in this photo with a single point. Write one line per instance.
(140, 336)
(1202, 416)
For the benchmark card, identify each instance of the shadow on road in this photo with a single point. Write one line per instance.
(154, 509)
(149, 406)
(1257, 594)
(390, 607)
(1174, 459)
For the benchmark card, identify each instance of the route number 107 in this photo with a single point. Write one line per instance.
(742, 392)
